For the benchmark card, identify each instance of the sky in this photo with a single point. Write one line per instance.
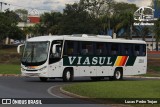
(55, 5)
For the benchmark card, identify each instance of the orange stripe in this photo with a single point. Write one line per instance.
(125, 60)
(122, 61)
(33, 67)
(118, 60)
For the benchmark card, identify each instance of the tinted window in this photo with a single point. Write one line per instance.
(71, 48)
(114, 49)
(100, 48)
(86, 48)
(139, 50)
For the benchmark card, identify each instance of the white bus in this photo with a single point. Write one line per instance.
(93, 56)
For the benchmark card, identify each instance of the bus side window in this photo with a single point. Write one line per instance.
(114, 49)
(69, 51)
(84, 51)
(137, 50)
(54, 58)
(70, 48)
(86, 48)
(100, 48)
(126, 49)
(142, 50)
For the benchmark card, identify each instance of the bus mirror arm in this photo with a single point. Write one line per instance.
(54, 48)
(19, 48)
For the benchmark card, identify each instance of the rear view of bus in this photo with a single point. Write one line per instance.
(96, 57)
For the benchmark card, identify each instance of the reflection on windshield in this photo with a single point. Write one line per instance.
(35, 52)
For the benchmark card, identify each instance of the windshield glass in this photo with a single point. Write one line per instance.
(35, 53)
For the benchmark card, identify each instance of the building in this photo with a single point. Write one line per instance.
(33, 18)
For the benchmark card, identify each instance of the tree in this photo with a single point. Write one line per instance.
(22, 14)
(76, 20)
(121, 7)
(123, 21)
(97, 8)
(8, 25)
(142, 31)
(50, 22)
(157, 32)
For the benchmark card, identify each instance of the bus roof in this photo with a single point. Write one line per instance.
(89, 38)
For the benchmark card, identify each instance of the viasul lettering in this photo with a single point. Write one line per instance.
(89, 61)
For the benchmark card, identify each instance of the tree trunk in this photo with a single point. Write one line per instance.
(156, 45)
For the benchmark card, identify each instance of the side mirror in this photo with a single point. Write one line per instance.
(54, 48)
(19, 48)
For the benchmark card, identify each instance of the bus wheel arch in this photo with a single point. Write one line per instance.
(118, 74)
(68, 74)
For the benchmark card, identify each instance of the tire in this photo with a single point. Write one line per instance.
(43, 79)
(118, 75)
(68, 75)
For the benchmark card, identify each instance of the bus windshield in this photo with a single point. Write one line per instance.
(35, 53)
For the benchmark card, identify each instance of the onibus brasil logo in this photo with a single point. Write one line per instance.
(144, 16)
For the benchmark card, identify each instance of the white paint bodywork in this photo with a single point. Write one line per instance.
(56, 69)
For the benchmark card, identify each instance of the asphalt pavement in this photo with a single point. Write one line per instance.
(22, 87)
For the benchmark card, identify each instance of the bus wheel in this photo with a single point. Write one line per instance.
(43, 79)
(68, 75)
(118, 75)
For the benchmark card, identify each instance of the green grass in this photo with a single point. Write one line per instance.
(155, 68)
(9, 51)
(150, 75)
(9, 69)
(117, 89)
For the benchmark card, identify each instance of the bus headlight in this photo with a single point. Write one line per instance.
(43, 68)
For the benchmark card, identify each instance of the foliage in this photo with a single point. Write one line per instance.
(89, 17)
(122, 7)
(77, 20)
(50, 22)
(97, 8)
(143, 31)
(8, 26)
(22, 14)
(157, 32)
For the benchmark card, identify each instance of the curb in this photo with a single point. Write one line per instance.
(142, 77)
(70, 94)
(87, 98)
(10, 75)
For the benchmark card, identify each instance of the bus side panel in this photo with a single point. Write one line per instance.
(102, 71)
(139, 67)
(56, 69)
(87, 70)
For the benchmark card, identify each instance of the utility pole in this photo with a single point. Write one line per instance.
(1, 3)
(1, 6)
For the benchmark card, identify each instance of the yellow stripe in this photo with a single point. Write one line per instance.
(118, 61)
